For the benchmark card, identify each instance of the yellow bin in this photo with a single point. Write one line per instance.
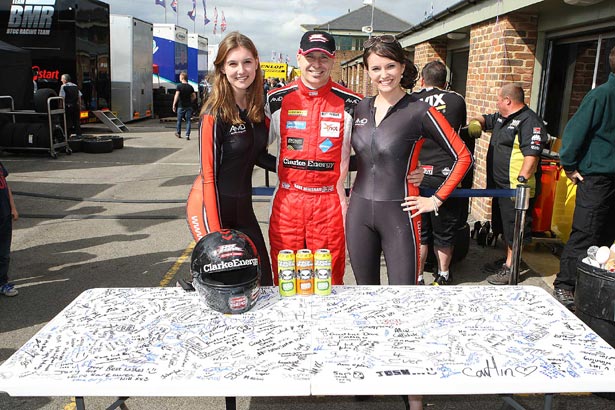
(563, 207)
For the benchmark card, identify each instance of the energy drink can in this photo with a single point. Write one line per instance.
(322, 272)
(287, 278)
(305, 272)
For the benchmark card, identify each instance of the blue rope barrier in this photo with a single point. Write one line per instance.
(458, 193)
(468, 193)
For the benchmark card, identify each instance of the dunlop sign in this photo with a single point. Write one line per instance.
(276, 70)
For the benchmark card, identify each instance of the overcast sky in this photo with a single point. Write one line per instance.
(273, 25)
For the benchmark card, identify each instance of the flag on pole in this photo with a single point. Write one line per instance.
(174, 5)
(192, 13)
(205, 19)
(215, 19)
(223, 23)
(161, 3)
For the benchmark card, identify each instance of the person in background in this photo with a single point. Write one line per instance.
(440, 231)
(387, 136)
(72, 101)
(232, 139)
(588, 146)
(8, 214)
(182, 104)
(517, 139)
(311, 120)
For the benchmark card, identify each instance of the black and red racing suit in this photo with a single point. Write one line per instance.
(221, 195)
(312, 128)
(386, 154)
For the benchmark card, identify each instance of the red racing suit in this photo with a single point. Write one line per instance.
(312, 129)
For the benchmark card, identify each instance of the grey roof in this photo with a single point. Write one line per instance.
(353, 21)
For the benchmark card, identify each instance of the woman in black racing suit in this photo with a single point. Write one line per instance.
(387, 136)
(232, 139)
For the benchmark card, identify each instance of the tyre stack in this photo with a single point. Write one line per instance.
(97, 144)
(163, 103)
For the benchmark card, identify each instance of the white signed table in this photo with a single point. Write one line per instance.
(358, 341)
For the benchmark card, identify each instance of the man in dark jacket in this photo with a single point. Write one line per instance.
(588, 147)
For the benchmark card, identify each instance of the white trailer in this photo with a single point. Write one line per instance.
(131, 67)
(197, 59)
(170, 54)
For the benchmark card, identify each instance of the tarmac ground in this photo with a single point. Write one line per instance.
(118, 220)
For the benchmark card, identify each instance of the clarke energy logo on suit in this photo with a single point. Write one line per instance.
(31, 17)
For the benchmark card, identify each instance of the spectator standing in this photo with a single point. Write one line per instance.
(518, 136)
(588, 147)
(311, 119)
(440, 231)
(72, 101)
(8, 214)
(182, 104)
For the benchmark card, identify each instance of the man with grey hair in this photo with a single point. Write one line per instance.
(72, 103)
(518, 136)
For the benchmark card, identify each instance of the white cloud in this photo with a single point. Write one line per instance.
(272, 25)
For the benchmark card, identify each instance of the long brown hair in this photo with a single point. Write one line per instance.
(221, 101)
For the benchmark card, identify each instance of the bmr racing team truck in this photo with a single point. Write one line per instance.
(63, 36)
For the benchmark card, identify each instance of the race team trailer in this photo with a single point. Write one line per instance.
(63, 36)
(170, 51)
(197, 61)
(131, 65)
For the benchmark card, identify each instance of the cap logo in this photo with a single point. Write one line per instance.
(318, 37)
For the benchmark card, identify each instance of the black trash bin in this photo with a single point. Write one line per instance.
(594, 298)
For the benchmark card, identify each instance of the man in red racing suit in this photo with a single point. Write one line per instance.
(311, 119)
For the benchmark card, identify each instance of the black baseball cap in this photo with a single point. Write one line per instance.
(317, 41)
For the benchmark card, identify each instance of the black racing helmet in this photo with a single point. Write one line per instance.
(226, 271)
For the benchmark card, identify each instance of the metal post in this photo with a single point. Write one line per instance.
(231, 403)
(522, 203)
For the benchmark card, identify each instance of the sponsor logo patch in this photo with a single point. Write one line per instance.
(335, 115)
(427, 169)
(238, 129)
(309, 165)
(325, 145)
(294, 144)
(296, 125)
(238, 302)
(298, 113)
(359, 122)
(446, 171)
(330, 129)
(537, 130)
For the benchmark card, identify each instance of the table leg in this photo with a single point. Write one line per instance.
(231, 403)
(80, 403)
(548, 401)
(119, 403)
(509, 401)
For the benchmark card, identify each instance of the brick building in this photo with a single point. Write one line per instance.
(556, 49)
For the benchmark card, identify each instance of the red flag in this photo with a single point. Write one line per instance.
(223, 23)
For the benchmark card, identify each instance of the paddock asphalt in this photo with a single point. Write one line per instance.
(118, 220)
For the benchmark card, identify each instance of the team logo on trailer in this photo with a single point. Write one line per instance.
(31, 17)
